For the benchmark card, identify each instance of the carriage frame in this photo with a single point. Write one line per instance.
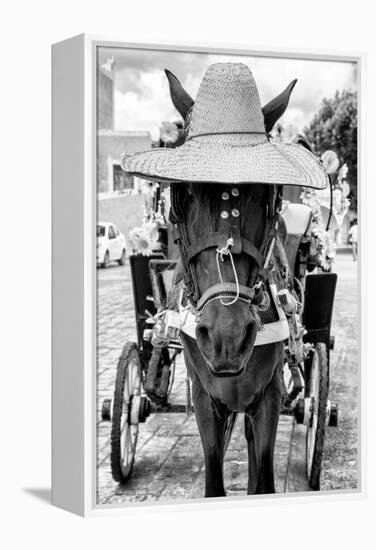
(145, 371)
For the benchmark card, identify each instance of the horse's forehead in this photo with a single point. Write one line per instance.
(217, 200)
(220, 207)
(215, 191)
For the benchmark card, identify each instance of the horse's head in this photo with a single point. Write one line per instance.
(211, 215)
(227, 327)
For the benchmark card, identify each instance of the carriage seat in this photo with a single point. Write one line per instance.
(297, 218)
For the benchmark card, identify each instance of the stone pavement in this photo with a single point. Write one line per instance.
(169, 459)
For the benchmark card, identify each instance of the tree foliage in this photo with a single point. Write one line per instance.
(335, 127)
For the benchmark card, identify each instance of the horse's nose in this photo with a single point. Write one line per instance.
(225, 346)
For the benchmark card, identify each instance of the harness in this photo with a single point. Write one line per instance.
(227, 241)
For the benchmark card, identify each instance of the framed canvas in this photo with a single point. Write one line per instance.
(207, 242)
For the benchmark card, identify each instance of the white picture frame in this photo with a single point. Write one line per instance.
(74, 268)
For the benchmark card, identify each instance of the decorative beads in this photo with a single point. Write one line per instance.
(235, 192)
(224, 215)
(235, 213)
(225, 196)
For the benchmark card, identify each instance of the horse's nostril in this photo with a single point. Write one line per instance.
(204, 337)
(210, 343)
(226, 342)
(248, 336)
(202, 332)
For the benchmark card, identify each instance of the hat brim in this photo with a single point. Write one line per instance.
(236, 160)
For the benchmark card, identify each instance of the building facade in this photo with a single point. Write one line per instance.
(110, 146)
(121, 197)
(112, 143)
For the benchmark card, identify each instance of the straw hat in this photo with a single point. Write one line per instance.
(227, 142)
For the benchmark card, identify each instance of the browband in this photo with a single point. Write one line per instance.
(188, 250)
(211, 240)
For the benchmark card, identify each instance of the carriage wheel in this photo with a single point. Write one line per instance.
(318, 393)
(125, 416)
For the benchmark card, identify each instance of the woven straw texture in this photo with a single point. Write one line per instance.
(237, 151)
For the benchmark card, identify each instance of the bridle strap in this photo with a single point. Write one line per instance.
(270, 233)
(181, 239)
(188, 251)
(211, 240)
(225, 290)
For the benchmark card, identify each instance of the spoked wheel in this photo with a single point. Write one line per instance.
(318, 383)
(126, 414)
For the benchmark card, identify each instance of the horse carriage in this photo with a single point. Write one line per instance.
(263, 275)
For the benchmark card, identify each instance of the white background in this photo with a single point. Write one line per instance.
(27, 30)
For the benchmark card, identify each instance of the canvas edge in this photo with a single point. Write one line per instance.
(68, 251)
(362, 273)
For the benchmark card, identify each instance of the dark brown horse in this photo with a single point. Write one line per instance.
(229, 374)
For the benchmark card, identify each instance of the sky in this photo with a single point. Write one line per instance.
(142, 100)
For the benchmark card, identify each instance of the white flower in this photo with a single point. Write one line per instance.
(345, 189)
(330, 162)
(169, 132)
(342, 174)
(144, 238)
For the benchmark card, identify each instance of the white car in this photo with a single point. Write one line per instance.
(110, 244)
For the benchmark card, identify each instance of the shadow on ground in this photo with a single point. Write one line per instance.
(41, 493)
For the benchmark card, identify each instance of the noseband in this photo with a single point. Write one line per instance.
(227, 241)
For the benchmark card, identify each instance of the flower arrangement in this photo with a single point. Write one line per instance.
(330, 162)
(145, 238)
(325, 246)
(341, 190)
(169, 132)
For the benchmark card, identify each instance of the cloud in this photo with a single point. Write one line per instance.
(130, 64)
(316, 80)
(146, 111)
(142, 99)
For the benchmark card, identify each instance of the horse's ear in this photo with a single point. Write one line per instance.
(180, 98)
(273, 110)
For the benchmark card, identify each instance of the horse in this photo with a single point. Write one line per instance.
(229, 374)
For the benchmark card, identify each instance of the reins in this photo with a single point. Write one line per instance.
(226, 251)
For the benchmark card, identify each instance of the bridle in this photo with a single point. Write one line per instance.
(227, 241)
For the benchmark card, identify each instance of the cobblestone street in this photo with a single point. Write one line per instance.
(169, 459)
